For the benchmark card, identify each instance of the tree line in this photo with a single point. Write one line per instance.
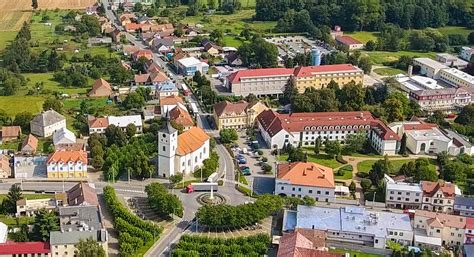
(256, 245)
(134, 233)
(365, 14)
(162, 202)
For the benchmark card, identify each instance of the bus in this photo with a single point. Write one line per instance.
(185, 89)
(203, 187)
(194, 108)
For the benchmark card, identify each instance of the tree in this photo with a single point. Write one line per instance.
(466, 117)
(217, 36)
(355, 142)
(332, 148)
(14, 194)
(379, 169)
(115, 135)
(131, 130)
(352, 189)
(470, 38)
(394, 109)
(138, 7)
(365, 184)
(258, 53)
(23, 119)
(89, 248)
(162, 202)
(295, 154)
(228, 136)
(423, 171)
(134, 101)
(45, 222)
(403, 145)
(370, 45)
(34, 4)
(53, 104)
(317, 145)
(176, 178)
(309, 201)
(365, 63)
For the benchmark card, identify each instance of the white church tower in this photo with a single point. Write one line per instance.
(167, 145)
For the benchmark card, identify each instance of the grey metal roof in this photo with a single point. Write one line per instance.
(76, 218)
(48, 118)
(73, 237)
(464, 200)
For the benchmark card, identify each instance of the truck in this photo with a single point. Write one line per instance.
(194, 108)
(202, 187)
(185, 89)
(213, 177)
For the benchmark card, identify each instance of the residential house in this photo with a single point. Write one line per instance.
(45, 123)
(28, 207)
(82, 195)
(165, 89)
(464, 205)
(117, 35)
(400, 195)
(439, 196)
(63, 136)
(101, 88)
(430, 138)
(434, 230)
(91, 10)
(126, 18)
(30, 145)
(303, 243)
(128, 50)
(212, 48)
(237, 115)
(10, 133)
(67, 164)
(152, 78)
(469, 232)
(352, 225)
(303, 129)
(188, 66)
(98, 125)
(233, 59)
(148, 54)
(181, 117)
(300, 179)
(5, 169)
(170, 102)
(11, 248)
(78, 223)
(349, 42)
(182, 153)
(163, 45)
(29, 167)
(98, 41)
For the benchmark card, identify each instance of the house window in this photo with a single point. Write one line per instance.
(310, 191)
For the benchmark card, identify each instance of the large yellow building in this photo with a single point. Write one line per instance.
(320, 76)
(236, 115)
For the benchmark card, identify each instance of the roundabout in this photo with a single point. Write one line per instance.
(211, 199)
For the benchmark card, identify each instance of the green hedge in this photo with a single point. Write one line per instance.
(134, 233)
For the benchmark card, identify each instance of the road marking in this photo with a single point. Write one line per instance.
(130, 191)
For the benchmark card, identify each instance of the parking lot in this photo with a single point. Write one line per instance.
(260, 182)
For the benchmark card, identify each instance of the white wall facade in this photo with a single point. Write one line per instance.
(438, 203)
(260, 86)
(320, 194)
(66, 167)
(167, 145)
(47, 131)
(466, 53)
(189, 163)
(403, 198)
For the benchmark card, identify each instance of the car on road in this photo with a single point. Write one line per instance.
(245, 170)
(241, 159)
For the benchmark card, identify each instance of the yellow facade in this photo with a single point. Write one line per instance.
(66, 174)
(319, 81)
(239, 120)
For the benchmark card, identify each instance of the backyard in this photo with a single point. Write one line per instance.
(366, 166)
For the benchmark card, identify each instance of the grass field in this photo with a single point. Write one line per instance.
(347, 169)
(379, 57)
(244, 3)
(16, 104)
(234, 22)
(6, 37)
(320, 159)
(366, 166)
(22, 5)
(388, 71)
(363, 36)
(50, 84)
(448, 30)
(354, 253)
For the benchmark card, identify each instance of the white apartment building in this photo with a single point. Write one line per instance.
(433, 230)
(300, 179)
(429, 67)
(98, 125)
(352, 225)
(446, 99)
(400, 195)
(303, 129)
(456, 78)
(184, 153)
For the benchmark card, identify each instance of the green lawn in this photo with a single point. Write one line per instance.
(347, 173)
(232, 41)
(16, 104)
(14, 145)
(355, 253)
(388, 71)
(322, 159)
(6, 37)
(365, 166)
(75, 104)
(379, 57)
(50, 84)
(30, 196)
(11, 221)
(448, 30)
(363, 36)
(244, 3)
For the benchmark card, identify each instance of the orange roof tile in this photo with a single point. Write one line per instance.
(100, 84)
(181, 116)
(171, 100)
(306, 174)
(67, 156)
(191, 140)
(227, 107)
(30, 141)
(430, 188)
(11, 131)
(441, 219)
(99, 123)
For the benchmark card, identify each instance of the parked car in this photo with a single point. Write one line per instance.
(245, 170)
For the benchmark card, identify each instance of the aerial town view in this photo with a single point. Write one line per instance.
(243, 128)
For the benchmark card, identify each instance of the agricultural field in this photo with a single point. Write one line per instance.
(15, 104)
(389, 71)
(25, 5)
(244, 3)
(13, 20)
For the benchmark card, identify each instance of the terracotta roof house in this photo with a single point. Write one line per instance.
(101, 88)
(181, 117)
(433, 229)
(181, 153)
(130, 49)
(46, 123)
(439, 196)
(304, 243)
(170, 102)
(10, 133)
(82, 194)
(236, 115)
(11, 248)
(299, 179)
(350, 42)
(148, 54)
(5, 169)
(67, 164)
(30, 145)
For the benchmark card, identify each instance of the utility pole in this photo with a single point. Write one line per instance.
(128, 171)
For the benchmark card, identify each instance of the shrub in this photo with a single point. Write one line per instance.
(362, 174)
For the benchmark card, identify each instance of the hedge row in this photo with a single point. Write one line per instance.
(134, 232)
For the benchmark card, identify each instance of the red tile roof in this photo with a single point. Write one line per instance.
(101, 88)
(304, 243)
(422, 126)
(430, 188)
(230, 108)
(191, 140)
(11, 248)
(306, 174)
(442, 219)
(470, 223)
(348, 40)
(235, 77)
(82, 194)
(67, 156)
(98, 123)
(308, 71)
(171, 100)
(273, 122)
(383, 131)
(11, 131)
(30, 141)
(181, 117)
